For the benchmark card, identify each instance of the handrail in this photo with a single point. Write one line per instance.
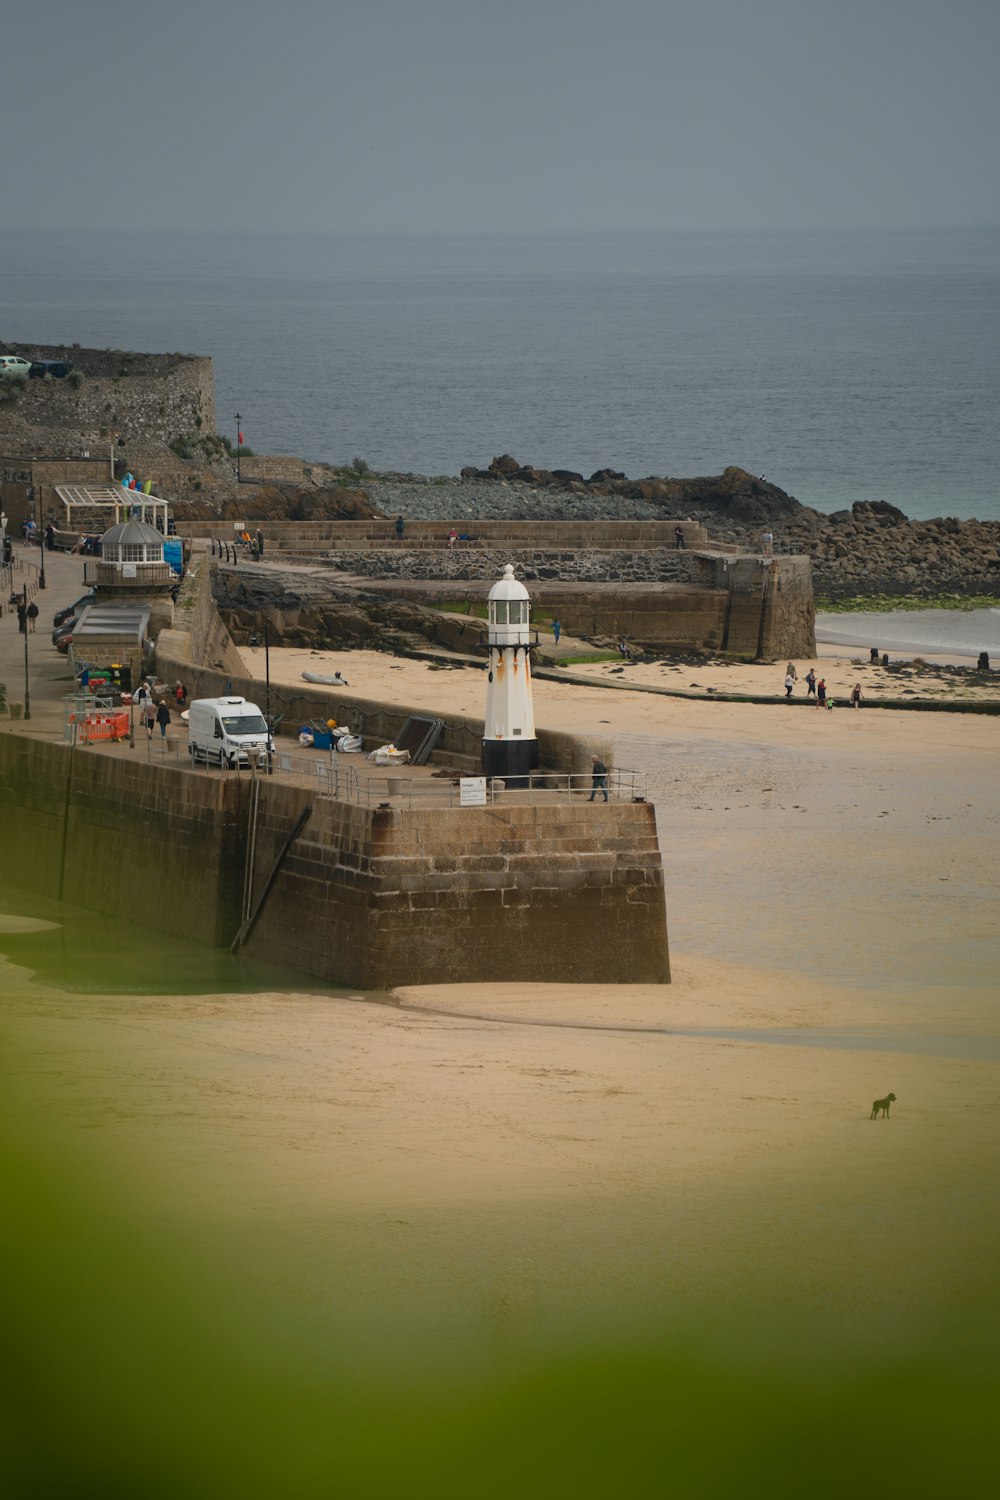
(347, 778)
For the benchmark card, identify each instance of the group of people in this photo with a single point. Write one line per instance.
(27, 614)
(816, 688)
(155, 712)
(254, 544)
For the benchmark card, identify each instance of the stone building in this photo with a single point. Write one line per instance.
(132, 570)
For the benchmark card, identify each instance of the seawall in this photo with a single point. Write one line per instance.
(366, 897)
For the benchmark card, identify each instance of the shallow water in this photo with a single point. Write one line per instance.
(933, 632)
(89, 954)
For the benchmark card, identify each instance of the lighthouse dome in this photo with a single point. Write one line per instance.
(132, 541)
(509, 611)
(508, 587)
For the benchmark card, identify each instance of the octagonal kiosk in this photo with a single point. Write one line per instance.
(510, 749)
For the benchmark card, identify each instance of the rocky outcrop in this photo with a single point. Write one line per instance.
(734, 493)
(871, 549)
(313, 613)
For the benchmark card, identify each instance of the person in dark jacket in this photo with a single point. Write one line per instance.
(600, 781)
(163, 717)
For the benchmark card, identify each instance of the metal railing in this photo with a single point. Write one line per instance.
(350, 778)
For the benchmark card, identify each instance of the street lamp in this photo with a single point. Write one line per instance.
(27, 692)
(41, 538)
(239, 444)
(254, 640)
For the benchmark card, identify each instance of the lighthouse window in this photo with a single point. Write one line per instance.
(518, 612)
(499, 607)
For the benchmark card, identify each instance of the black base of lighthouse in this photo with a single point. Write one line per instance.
(509, 760)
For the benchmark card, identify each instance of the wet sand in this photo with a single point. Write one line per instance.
(470, 1176)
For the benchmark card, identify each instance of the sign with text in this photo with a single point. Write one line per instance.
(472, 791)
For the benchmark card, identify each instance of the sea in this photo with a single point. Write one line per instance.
(844, 366)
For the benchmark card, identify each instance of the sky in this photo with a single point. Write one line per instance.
(485, 115)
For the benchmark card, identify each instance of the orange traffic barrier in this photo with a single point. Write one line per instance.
(106, 726)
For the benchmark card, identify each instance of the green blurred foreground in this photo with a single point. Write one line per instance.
(134, 1365)
(233, 1323)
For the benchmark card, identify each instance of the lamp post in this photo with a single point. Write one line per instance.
(255, 641)
(41, 537)
(239, 444)
(27, 692)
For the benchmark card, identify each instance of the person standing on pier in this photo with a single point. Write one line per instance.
(600, 778)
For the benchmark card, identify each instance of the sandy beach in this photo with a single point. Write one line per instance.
(465, 1183)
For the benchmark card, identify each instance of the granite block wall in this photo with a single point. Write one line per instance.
(119, 836)
(365, 897)
(383, 897)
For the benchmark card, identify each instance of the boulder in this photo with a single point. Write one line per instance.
(504, 467)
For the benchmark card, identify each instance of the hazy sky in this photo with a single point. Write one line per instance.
(491, 114)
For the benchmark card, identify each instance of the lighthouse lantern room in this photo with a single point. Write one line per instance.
(510, 748)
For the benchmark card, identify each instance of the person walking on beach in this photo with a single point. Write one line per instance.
(600, 778)
(162, 718)
(821, 693)
(810, 683)
(557, 629)
(789, 682)
(856, 696)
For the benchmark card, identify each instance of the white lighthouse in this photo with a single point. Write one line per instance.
(509, 744)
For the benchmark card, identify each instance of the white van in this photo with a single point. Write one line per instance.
(229, 730)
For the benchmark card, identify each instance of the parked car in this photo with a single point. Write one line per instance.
(66, 628)
(63, 639)
(58, 369)
(62, 615)
(13, 367)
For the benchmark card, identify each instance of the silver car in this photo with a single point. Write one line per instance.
(13, 367)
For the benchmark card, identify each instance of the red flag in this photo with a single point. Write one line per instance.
(241, 437)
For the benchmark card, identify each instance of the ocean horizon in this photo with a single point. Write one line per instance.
(845, 365)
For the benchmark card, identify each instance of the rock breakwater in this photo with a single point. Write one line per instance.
(873, 549)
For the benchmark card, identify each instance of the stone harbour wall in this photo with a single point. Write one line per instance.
(119, 836)
(155, 397)
(366, 897)
(390, 896)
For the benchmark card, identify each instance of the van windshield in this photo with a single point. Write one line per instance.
(243, 723)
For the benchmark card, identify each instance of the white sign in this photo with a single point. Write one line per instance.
(472, 791)
(128, 570)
